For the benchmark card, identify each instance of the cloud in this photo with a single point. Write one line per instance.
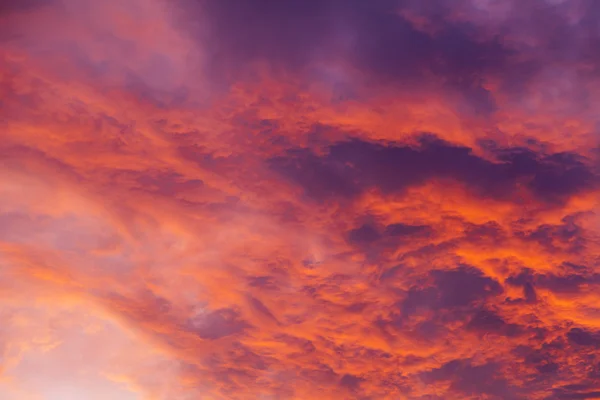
(302, 199)
(470, 379)
(352, 167)
(583, 337)
(217, 324)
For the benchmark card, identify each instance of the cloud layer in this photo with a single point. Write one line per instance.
(302, 199)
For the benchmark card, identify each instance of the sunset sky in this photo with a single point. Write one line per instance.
(299, 199)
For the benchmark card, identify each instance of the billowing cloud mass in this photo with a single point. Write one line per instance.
(302, 199)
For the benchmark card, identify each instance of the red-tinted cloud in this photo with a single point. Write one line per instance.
(301, 199)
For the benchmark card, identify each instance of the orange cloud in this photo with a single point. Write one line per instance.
(299, 200)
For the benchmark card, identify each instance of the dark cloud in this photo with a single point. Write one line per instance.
(459, 287)
(403, 230)
(417, 299)
(547, 368)
(390, 273)
(561, 173)
(541, 359)
(354, 166)
(568, 283)
(350, 381)
(489, 230)
(575, 392)
(401, 42)
(567, 236)
(376, 38)
(365, 234)
(583, 337)
(469, 379)
(263, 282)
(384, 42)
(573, 279)
(356, 307)
(464, 286)
(487, 321)
(320, 180)
(217, 324)
(242, 355)
(9, 6)
(558, 38)
(529, 293)
(430, 330)
(524, 279)
(258, 306)
(374, 238)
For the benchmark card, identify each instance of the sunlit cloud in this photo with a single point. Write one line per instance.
(294, 200)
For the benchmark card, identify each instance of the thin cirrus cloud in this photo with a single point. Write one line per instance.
(293, 200)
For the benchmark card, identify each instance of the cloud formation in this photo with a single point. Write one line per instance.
(301, 199)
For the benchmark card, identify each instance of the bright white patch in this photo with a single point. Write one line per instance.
(69, 352)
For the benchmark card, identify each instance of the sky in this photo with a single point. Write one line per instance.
(317, 199)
